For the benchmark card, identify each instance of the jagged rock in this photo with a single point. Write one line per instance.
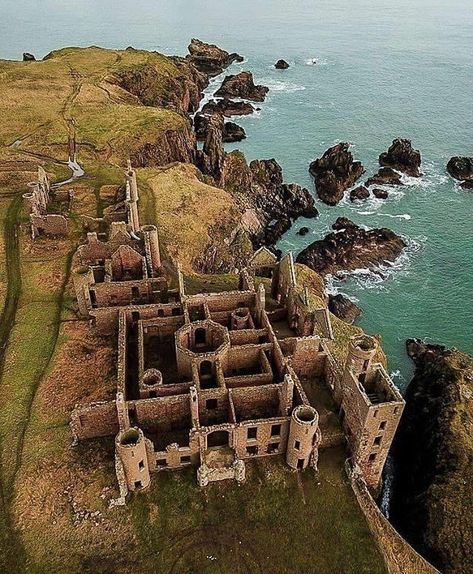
(27, 57)
(228, 108)
(242, 86)
(335, 172)
(432, 454)
(281, 65)
(461, 168)
(359, 193)
(303, 231)
(385, 176)
(402, 157)
(343, 308)
(271, 205)
(211, 159)
(380, 193)
(351, 247)
(209, 58)
(231, 132)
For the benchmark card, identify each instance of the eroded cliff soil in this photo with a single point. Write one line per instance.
(432, 503)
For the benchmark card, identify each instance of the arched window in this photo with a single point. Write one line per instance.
(200, 336)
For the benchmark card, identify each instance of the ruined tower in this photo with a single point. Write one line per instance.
(132, 198)
(131, 448)
(151, 241)
(303, 438)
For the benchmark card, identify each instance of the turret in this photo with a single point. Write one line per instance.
(132, 198)
(131, 449)
(303, 437)
(361, 352)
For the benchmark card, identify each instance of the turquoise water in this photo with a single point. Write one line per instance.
(386, 70)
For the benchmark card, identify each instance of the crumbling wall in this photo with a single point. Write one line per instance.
(94, 420)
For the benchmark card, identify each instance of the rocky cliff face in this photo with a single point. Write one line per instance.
(352, 247)
(335, 172)
(432, 500)
(170, 146)
(209, 58)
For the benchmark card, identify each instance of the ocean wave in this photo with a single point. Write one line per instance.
(405, 216)
(282, 86)
(316, 62)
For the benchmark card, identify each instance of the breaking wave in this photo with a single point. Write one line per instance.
(281, 86)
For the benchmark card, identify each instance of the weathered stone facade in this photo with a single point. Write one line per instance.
(41, 201)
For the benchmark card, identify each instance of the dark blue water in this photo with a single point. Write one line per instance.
(386, 70)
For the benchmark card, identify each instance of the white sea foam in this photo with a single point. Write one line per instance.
(316, 62)
(282, 86)
(405, 216)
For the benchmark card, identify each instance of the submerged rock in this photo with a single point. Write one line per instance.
(281, 65)
(343, 308)
(242, 86)
(351, 247)
(335, 172)
(461, 168)
(432, 497)
(228, 108)
(402, 157)
(27, 57)
(303, 231)
(209, 58)
(359, 193)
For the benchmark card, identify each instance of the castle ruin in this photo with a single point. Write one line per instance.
(214, 380)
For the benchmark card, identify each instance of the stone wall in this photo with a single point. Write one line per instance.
(94, 420)
(399, 556)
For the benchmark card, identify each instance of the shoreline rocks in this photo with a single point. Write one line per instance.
(350, 248)
(242, 86)
(228, 108)
(359, 193)
(385, 176)
(27, 57)
(281, 65)
(335, 172)
(402, 157)
(231, 132)
(432, 496)
(461, 169)
(209, 58)
(343, 308)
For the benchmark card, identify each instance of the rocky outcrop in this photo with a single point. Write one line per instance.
(352, 247)
(170, 146)
(380, 193)
(335, 172)
(270, 205)
(385, 176)
(242, 86)
(228, 108)
(155, 87)
(432, 500)
(27, 57)
(281, 65)
(211, 159)
(343, 308)
(461, 168)
(359, 193)
(402, 157)
(209, 58)
(303, 231)
(231, 132)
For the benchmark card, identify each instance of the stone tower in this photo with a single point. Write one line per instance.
(82, 279)
(132, 198)
(130, 446)
(303, 438)
(151, 241)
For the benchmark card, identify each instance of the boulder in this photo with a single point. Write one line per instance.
(402, 157)
(335, 172)
(281, 65)
(380, 193)
(231, 132)
(359, 193)
(242, 86)
(209, 58)
(461, 168)
(385, 176)
(27, 57)
(303, 231)
(343, 308)
(228, 108)
(351, 247)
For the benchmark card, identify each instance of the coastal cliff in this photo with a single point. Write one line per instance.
(433, 456)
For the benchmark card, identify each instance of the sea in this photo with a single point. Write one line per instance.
(361, 71)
